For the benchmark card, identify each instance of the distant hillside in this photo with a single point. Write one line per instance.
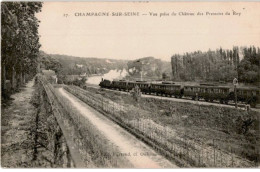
(152, 68)
(78, 65)
(47, 62)
(69, 65)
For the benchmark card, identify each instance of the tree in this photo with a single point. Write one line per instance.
(49, 63)
(248, 69)
(136, 93)
(219, 65)
(164, 76)
(20, 41)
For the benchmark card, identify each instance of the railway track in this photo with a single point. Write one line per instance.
(183, 99)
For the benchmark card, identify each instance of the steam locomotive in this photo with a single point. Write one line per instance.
(223, 94)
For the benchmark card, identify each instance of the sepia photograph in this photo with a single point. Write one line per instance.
(130, 84)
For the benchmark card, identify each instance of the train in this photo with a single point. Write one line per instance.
(207, 92)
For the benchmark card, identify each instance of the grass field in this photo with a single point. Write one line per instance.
(220, 136)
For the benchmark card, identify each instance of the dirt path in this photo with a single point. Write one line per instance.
(17, 121)
(136, 152)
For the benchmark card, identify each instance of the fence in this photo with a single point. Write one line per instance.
(80, 135)
(184, 151)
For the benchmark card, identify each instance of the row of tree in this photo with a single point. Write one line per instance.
(219, 65)
(20, 42)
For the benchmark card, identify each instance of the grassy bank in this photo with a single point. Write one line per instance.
(231, 135)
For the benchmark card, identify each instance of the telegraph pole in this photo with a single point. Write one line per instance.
(141, 71)
(235, 96)
(139, 61)
(235, 83)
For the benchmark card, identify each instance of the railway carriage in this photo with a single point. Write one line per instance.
(131, 85)
(249, 95)
(156, 89)
(221, 94)
(190, 91)
(119, 85)
(166, 89)
(114, 85)
(173, 90)
(144, 86)
(122, 85)
(208, 93)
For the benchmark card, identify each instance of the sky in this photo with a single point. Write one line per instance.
(133, 37)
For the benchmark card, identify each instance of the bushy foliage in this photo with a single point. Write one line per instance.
(81, 82)
(49, 63)
(248, 68)
(219, 65)
(136, 93)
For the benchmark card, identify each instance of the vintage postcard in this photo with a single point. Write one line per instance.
(130, 84)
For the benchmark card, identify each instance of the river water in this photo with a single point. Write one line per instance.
(112, 74)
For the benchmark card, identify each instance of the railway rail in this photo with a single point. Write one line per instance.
(230, 104)
(208, 93)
